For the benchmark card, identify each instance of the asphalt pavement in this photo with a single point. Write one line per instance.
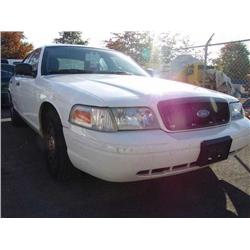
(28, 190)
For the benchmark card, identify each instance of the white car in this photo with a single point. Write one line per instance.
(102, 113)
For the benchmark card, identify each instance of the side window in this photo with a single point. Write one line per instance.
(92, 60)
(103, 65)
(34, 59)
(27, 59)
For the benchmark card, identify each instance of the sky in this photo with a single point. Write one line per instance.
(97, 19)
(97, 37)
(40, 38)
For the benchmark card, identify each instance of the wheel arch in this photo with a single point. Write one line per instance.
(45, 107)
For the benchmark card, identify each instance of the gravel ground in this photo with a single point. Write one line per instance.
(28, 191)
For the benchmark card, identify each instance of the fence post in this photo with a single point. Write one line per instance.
(205, 60)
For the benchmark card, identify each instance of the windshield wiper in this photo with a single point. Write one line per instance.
(115, 72)
(80, 71)
(70, 71)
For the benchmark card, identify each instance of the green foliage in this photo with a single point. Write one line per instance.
(167, 47)
(234, 60)
(71, 37)
(136, 44)
(148, 49)
(14, 46)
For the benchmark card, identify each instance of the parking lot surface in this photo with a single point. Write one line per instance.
(28, 190)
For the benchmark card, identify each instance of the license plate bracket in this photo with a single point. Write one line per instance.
(215, 150)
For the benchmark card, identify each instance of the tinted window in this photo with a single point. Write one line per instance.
(72, 59)
(27, 59)
(34, 59)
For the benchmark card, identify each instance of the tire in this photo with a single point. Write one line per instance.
(58, 162)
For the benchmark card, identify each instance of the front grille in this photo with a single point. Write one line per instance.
(194, 113)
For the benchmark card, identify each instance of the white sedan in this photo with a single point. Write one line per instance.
(102, 113)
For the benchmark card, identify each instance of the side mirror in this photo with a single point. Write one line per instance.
(150, 72)
(24, 69)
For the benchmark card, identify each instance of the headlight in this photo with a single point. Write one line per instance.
(237, 111)
(110, 120)
(92, 117)
(135, 118)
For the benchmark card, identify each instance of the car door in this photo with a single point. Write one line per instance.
(28, 86)
(15, 89)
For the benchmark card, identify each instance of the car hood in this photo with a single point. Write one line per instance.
(117, 90)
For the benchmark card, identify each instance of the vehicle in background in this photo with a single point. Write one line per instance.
(4, 61)
(8, 67)
(188, 69)
(14, 61)
(11, 61)
(246, 106)
(7, 71)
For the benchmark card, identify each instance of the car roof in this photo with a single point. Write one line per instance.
(76, 45)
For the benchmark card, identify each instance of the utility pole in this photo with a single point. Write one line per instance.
(205, 60)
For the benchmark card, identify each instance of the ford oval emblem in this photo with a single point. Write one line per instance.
(203, 113)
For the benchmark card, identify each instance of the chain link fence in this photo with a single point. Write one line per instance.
(220, 66)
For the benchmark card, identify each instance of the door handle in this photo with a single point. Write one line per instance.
(17, 83)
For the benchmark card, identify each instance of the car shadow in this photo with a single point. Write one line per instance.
(29, 191)
(240, 200)
(5, 112)
(196, 194)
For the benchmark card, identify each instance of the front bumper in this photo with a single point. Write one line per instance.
(138, 155)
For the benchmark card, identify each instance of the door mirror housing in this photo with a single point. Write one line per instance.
(24, 69)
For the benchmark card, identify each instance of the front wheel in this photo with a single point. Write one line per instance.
(58, 162)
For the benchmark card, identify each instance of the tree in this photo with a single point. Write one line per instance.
(71, 37)
(234, 60)
(136, 44)
(167, 48)
(148, 49)
(14, 46)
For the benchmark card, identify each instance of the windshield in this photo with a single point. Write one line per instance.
(80, 60)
